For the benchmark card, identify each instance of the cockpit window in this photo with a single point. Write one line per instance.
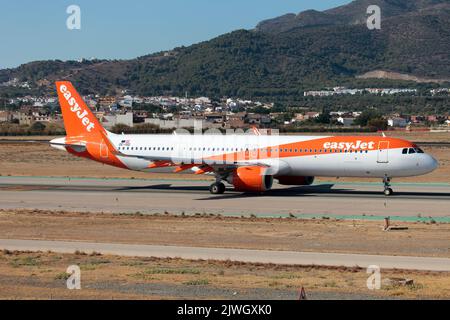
(411, 150)
(418, 150)
(405, 151)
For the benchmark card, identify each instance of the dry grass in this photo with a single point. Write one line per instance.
(46, 278)
(217, 231)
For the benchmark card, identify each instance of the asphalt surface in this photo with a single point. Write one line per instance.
(242, 255)
(190, 197)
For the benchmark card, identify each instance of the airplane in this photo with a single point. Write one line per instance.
(250, 163)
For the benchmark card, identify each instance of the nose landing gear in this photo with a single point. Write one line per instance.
(387, 187)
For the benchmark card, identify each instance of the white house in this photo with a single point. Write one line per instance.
(347, 122)
(110, 121)
(397, 122)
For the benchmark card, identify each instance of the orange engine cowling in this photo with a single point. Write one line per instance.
(295, 180)
(251, 179)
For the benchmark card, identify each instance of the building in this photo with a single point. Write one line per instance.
(214, 118)
(106, 102)
(236, 120)
(417, 119)
(432, 118)
(41, 117)
(25, 118)
(179, 123)
(109, 121)
(5, 116)
(299, 117)
(322, 93)
(347, 122)
(397, 122)
(311, 115)
(126, 102)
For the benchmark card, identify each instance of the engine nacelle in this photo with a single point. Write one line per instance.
(251, 179)
(295, 180)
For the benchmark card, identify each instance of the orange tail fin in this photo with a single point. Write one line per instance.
(79, 121)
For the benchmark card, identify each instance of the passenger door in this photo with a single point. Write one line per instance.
(383, 152)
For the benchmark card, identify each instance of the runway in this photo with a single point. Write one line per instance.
(411, 201)
(241, 255)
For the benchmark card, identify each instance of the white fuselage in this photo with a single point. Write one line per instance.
(303, 156)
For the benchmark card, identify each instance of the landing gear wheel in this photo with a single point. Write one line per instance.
(387, 186)
(217, 188)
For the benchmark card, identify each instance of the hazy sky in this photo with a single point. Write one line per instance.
(36, 30)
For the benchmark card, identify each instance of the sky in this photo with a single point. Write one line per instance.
(116, 29)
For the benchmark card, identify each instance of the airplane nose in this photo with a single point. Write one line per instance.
(431, 163)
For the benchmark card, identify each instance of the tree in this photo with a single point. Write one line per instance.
(324, 117)
(367, 115)
(37, 128)
(120, 127)
(378, 123)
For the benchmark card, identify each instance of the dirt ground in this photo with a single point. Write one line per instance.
(317, 235)
(25, 275)
(39, 159)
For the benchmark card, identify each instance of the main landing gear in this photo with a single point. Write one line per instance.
(217, 188)
(387, 187)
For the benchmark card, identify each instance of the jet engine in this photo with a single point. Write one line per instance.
(251, 179)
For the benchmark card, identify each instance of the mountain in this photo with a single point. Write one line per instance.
(280, 58)
(352, 14)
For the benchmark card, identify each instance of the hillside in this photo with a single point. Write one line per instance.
(280, 58)
(350, 14)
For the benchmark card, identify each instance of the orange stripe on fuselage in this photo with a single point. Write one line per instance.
(319, 146)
